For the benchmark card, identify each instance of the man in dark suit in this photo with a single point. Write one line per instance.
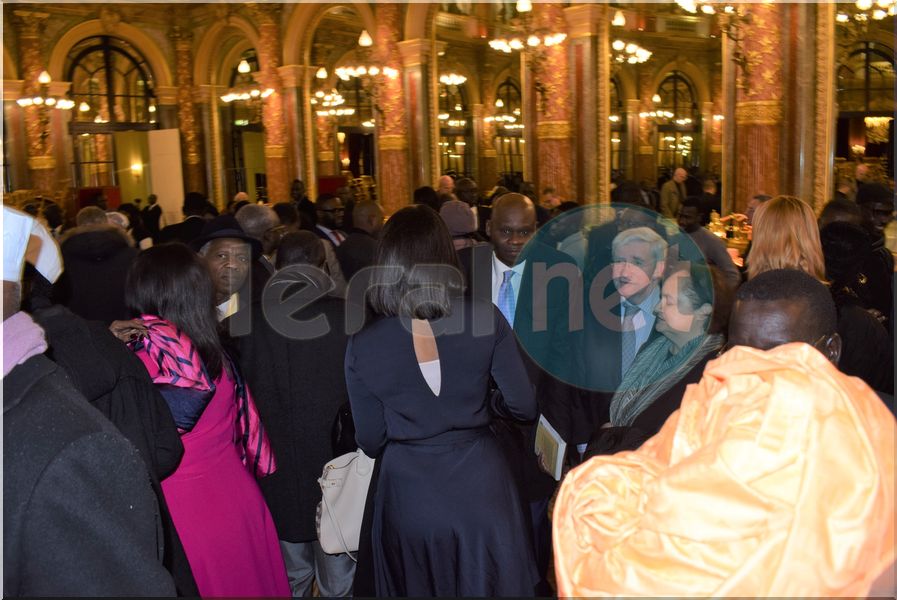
(329, 211)
(150, 215)
(189, 229)
(622, 289)
(359, 249)
(299, 385)
(515, 274)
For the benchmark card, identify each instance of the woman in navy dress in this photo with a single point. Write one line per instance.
(447, 516)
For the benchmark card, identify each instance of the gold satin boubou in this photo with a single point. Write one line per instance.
(774, 478)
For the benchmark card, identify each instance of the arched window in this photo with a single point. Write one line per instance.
(112, 81)
(246, 170)
(866, 104)
(112, 87)
(454, 129)
(509, 128)
(678, 133)
(866, 79)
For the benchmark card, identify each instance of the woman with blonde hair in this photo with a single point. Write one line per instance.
(786, 236)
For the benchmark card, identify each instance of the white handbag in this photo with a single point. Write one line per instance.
(344, 489)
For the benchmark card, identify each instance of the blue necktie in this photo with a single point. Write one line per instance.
(629, 345)
(507, 303)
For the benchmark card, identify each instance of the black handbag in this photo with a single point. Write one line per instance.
(342, 434)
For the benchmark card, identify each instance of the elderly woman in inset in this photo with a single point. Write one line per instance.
(692, 314)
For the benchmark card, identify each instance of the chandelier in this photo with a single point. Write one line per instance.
(629, 52)
(246, 91)
(532, 41)
(877, 129)
(505, 120)
(452, 79)
(370, 75)
(864, 11)
(731, 19)
(331, 104)
(626, 52)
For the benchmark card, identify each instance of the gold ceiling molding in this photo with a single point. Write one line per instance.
(759, 112)
(554, 130)
(275, 151)
(392, 142)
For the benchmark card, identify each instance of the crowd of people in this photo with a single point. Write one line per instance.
(172, 394)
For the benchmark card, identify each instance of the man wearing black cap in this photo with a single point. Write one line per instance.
(228, 253)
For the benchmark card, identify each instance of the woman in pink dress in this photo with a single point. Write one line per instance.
(216, 505)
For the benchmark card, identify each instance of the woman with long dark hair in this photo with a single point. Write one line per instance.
(215, 503)
(447, 517)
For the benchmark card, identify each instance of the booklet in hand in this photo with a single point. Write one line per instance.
(550, 448)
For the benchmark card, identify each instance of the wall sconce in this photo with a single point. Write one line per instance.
(341, 136)
(136, 169)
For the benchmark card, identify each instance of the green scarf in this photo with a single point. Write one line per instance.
(654, 371)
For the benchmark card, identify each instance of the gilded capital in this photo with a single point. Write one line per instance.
(759, 112)
(554, 130)
(37, 163)
(415, 52)
(582, 20)
(265, 14)
(29, 23)
(275, 151)
(292, 76)
(392, 142)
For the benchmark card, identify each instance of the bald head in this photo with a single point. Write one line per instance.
(680, 175)
(445, 185)
(368, 216)
(511, 226)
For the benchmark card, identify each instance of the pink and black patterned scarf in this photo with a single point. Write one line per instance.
(177, 370)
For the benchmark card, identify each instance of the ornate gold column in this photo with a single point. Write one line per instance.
(277, 158)
(645, 152)
(714, 127)
(41, 162)
(325, 130)
(554, 128)
(759, 109)
(588, 76)
(487, 155)
(394, 174)
(181, 35)
(416, 56)
(296, 105)
(825, 112)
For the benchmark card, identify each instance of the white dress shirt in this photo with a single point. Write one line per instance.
(498, 274)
